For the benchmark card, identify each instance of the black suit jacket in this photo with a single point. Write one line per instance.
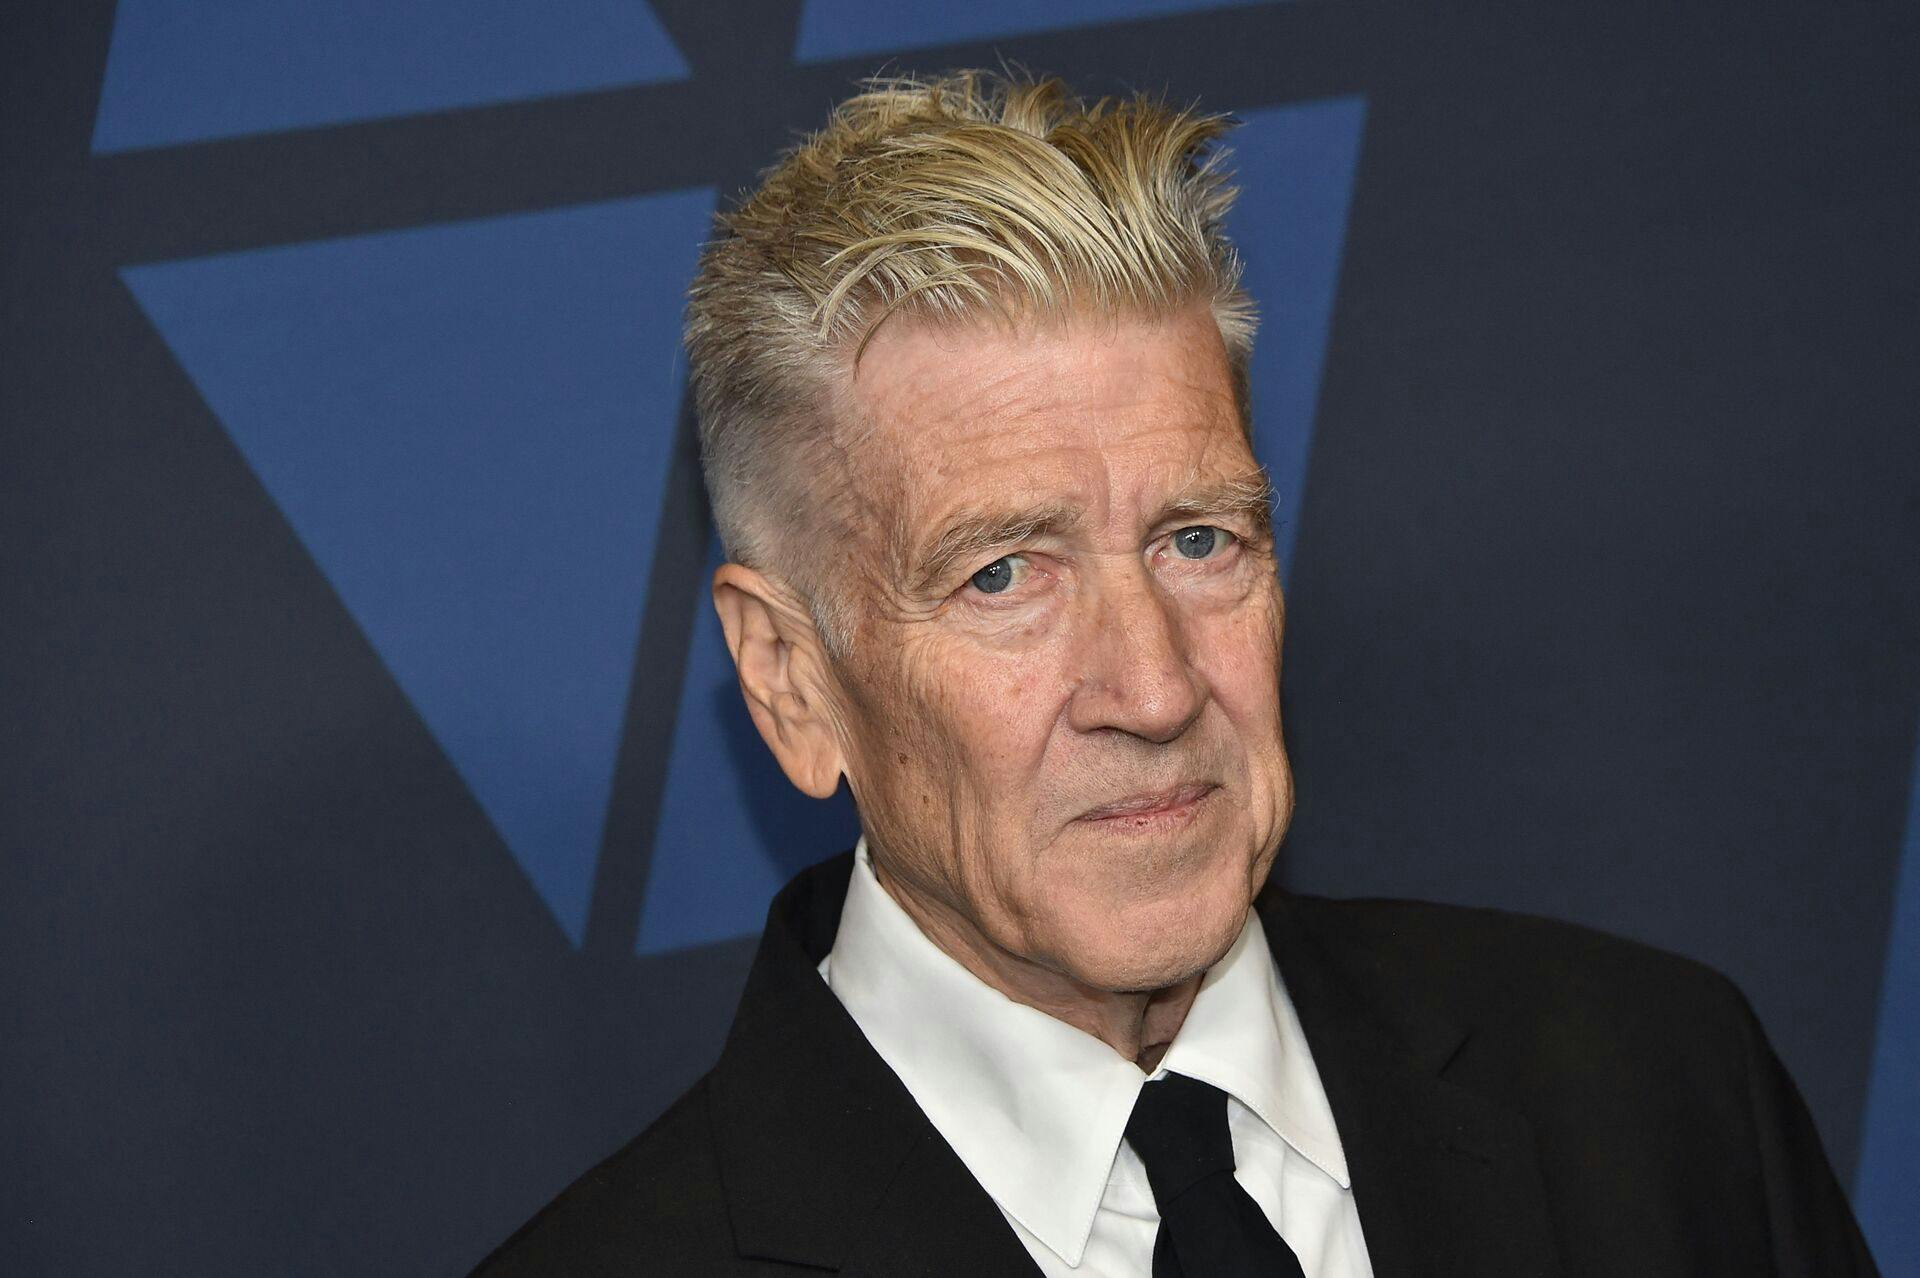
(1514, 1096)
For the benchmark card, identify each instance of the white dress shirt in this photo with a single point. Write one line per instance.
(1036, 1108)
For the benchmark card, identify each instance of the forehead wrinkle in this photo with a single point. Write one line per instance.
(1028, 378)
(897, 394)
(918, 560)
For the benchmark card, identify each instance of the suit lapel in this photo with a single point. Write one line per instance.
(1445, 1180)
(935, 1221)
(826, 1159)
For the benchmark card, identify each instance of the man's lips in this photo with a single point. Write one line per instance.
(1151, 804)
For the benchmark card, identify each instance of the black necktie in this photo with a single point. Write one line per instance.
(1209, 1227)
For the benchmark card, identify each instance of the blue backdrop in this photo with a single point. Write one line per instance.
(384, 837)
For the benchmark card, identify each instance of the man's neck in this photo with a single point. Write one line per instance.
(1138, 1024)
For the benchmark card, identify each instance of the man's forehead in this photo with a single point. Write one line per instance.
(1002, 376)
(1088, 487)
(1108, 476)
(928, 407)
(1051, 425)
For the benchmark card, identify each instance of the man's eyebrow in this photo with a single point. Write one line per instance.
(974, 533)
(1249, 495)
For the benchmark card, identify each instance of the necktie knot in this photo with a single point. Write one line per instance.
(1179, 1129)
(1209, 1227)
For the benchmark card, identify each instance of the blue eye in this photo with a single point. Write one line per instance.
(1001, 575)
(1198, 542)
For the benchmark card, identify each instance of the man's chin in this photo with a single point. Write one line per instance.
(1133, 954)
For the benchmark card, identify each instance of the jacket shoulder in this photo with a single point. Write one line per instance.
(1563, 1019)
(1646, 1076)
(1495, 966)
(659, 1197)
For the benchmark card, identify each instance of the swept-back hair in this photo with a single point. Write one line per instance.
(972, 196)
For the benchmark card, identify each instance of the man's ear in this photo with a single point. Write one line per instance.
(783, 675)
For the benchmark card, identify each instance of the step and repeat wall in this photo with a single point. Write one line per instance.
(383, 838)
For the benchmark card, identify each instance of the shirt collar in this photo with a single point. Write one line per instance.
(1036, 1108)
(1243, 1036)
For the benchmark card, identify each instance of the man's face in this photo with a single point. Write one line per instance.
(1062, 714)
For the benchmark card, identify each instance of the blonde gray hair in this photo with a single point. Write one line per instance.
(966, 197)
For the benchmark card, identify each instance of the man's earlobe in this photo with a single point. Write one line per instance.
(780, 660)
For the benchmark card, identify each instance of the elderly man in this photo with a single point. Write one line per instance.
(971, 373)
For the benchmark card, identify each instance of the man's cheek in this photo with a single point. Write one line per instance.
(1239, 652)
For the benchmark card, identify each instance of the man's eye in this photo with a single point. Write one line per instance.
(1200, 542)
(1002, 574)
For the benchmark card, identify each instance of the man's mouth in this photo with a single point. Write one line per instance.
(1153, 806)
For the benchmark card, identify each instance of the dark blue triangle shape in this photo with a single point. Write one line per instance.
(467, 426)
(185, 70)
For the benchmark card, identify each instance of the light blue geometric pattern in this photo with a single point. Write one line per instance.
(1295, 168)
(1887, 1188)
(467, 426)
(844, 28)
(186, 70)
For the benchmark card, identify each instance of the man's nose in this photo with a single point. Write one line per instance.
(1135, 672)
